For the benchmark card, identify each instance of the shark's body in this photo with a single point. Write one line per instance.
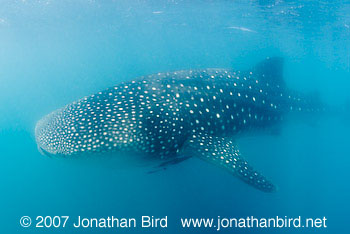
(170, 116)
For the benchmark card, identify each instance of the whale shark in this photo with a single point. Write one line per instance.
(172, 116)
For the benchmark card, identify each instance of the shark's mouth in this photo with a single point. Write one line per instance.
(51, 155)
(44, 152)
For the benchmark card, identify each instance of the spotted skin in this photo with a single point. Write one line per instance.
(224, 153)
(158, 114)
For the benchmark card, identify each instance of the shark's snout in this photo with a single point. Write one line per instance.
(42, 140)
(48, 135)
(82, 127)
(44, 152)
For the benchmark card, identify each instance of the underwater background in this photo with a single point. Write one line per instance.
(55, 52)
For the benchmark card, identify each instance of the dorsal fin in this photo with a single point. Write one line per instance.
(270, 71)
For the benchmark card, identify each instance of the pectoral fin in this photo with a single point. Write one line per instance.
(225, 154)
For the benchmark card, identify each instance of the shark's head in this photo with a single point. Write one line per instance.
(55, 136)
(83, 127)
(86, 130)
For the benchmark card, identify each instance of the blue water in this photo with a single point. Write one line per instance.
(54, 52)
